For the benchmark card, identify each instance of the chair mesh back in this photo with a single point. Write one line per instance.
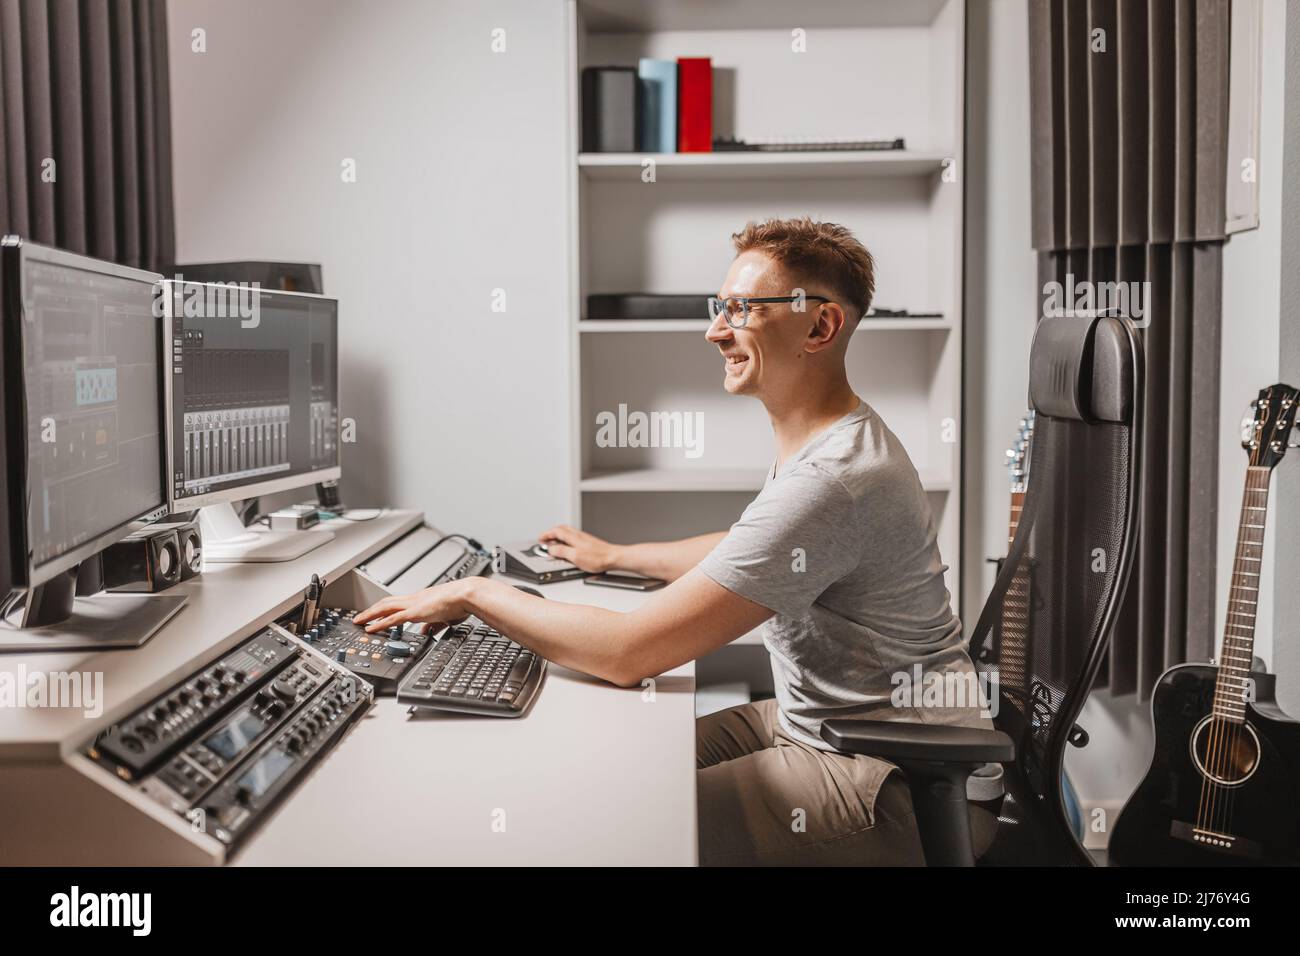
(1043, 637)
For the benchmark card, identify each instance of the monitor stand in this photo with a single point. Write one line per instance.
(53, 618)
(227, 541)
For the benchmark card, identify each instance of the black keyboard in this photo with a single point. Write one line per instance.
(476, 670)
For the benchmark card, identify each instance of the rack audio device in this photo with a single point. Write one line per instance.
(222, 747)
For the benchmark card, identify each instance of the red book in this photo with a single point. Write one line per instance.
(694, 104)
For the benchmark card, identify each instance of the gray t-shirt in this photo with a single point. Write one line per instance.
(840, 544)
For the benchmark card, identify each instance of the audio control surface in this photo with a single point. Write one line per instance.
(223, 746)
(381, 658)
(386, 658)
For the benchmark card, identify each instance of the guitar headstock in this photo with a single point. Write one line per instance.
(1018, 454)
(1267, 430)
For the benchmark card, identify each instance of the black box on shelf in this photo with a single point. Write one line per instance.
(643, 305)
(609, 109)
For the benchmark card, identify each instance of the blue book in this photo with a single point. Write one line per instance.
(657, 131)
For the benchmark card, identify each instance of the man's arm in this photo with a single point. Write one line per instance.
(688, 619)
(668, 560)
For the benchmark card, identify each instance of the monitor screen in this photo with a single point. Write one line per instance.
(90, 389)
(253, 392)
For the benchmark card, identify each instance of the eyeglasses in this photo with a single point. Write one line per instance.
(735, 308)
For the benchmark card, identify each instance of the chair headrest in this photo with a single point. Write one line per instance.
(1082, 369)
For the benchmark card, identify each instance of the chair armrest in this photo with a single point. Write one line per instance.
(935, 760)
(899, 740)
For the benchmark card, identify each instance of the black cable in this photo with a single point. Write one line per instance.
(247, 511)
(11, 601)
(466, 538)
(473, 546)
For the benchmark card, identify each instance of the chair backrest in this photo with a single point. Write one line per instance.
(1046, 626)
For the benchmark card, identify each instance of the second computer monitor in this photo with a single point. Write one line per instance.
(252, 392)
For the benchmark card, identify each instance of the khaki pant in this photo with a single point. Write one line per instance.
(768, 799)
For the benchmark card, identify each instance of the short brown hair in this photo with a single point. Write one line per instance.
(820, 251)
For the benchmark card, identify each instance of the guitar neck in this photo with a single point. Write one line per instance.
(1243, 600)
(1017, 506)
(1012, 665)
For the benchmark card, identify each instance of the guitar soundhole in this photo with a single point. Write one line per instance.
(1226, 753)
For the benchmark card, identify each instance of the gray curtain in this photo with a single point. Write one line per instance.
(1129, 115)
(85, 84)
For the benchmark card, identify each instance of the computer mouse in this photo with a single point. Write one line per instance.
(541, 548)
(527, 590)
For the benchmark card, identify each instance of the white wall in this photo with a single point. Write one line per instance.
(1286, 603)
(1252, 276)
(461, 158)
(1002, 303)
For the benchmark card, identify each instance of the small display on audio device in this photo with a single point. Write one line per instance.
(265, 772)
(236, 734)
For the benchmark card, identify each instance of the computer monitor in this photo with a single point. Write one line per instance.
(252, 399)
(83, 415)
(285, 276)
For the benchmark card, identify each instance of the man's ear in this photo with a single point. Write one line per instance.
(829, 323)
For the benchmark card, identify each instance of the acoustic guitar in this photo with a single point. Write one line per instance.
(1224, 783)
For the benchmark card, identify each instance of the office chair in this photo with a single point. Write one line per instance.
(1075, 546)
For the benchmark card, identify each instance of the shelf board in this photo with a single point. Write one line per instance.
(644, 325)
(832, 164)
(638, 16)
(700, 326)
(705, 479)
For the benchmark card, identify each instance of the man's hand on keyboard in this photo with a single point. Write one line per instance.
(440, 604)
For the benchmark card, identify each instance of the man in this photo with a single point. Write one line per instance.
(835, 559)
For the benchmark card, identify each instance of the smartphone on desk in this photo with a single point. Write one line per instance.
(628, 582)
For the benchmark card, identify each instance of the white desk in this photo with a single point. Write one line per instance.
(591, 774)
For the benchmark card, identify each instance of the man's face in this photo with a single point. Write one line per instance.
(764, 355)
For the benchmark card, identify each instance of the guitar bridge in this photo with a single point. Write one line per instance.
(1213, 840)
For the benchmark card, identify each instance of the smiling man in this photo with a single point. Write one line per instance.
(835, 561)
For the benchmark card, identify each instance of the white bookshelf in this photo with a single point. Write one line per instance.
(875, 70)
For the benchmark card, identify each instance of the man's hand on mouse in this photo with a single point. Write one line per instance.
(440, 604)
(586, 551)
